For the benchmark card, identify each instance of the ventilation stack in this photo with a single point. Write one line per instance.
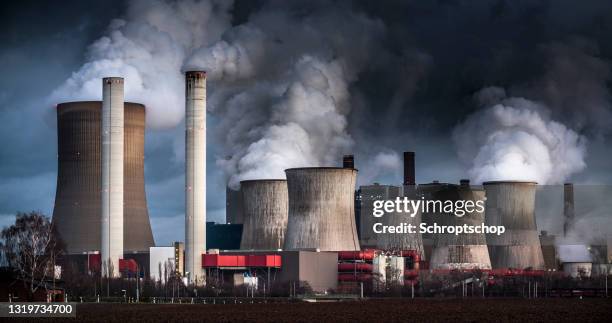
(465, 250)
(511, 204)
(348, 161)
(409, 178)
(568, 207)
(321, 209)
(195, 175)
(265, 214)
(112, 175)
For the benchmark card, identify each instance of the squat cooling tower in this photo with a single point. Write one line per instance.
(321, 209)
(77, 212)
(265, 214)
(465, 250)
(195, 174)
(511, 204)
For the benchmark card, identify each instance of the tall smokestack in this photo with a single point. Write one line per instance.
(112, 174)
(195, 174)
(409, 168)
(568, 207)
(348, 161)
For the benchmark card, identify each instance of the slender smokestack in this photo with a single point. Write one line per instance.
(348, 161)
(195, 174)
(112, 174)
(409, 168)
(568, 207)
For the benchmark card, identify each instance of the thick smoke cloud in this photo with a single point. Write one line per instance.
(148, 48)
(281, 88)
(513, 139)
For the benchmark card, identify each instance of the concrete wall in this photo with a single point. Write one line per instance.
(466, 250)
(321, 209)
(77, 210)
(318, 269)
(265, 214)
(161, 263)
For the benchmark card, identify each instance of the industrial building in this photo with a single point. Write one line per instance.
(265, 205)
(233, 206)
(321, 209)
(367, 195)
(294, 269)
(224, 236)
(77, 212)
(511, 204)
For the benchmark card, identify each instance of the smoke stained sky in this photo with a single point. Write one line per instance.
(371, 78)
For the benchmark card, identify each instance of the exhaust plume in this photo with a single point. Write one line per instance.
(514, 139)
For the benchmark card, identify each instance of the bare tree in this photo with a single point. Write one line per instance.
(31, 247)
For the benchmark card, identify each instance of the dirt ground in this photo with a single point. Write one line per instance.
(390, 310)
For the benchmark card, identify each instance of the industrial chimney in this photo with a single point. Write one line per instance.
(265, 204)
(321, 209)
(348, 161)
(568, 207)
(112, 174)
(511, 204)
(195, 175)
(409, 178)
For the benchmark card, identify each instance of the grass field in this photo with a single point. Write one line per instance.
(396, 310)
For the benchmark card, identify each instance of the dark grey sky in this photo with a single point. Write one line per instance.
(417, 86)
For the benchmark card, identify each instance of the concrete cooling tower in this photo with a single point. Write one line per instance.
(265, 214)
(511, 204)
(465, 250)
(394, 242)
(321, 209)
(77, 210)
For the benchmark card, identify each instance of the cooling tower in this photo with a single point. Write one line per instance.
(321, 209)
(77, 210)
(265, 214)
(195, 174)
(465, 250)
(511, 204)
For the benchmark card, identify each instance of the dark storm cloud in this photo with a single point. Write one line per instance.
(415, 80)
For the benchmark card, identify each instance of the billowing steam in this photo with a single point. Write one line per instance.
(148, 48)
(279, 83)
(513, 139)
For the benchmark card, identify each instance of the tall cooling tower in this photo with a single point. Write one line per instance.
(466, 250)
(511, 204)
(265, 214)
(77, 211)
(195, 174)
(321, 209)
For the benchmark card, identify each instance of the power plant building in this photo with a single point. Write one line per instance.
(77, 211)
(195, 174)
(368, 194)
(321, 209)
(511, 204)
(265, 205)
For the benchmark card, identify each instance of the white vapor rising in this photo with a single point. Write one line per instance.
(513, 139)
(148, 48)
(278, 83)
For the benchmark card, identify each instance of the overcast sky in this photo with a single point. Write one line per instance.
(397, 75)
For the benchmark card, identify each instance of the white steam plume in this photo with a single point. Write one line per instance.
(148, 48)
(513, 139)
